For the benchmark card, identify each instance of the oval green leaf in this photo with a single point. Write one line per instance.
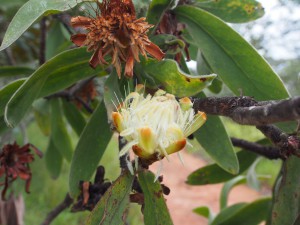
(59, 133)
(29, 13)
(238, 64)
(113, 205)
(167, 75)
(90, 148)
(213, 174)
(56, 74)
(155, 211)
(233, 11)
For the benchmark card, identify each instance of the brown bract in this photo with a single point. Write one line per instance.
(116, 32)
(14, 163)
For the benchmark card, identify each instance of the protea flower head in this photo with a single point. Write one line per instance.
(116, 32)
(156, 126)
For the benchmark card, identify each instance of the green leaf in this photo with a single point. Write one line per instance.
(167, 75)
(233, 11)
(90, 148)
(29, 13)
(7, 91)
(54, 40)
(213, 174)
(205, 212)
(112, 207)
(250, 214)
(56, 74)
(9, 71)
(41, 111)
(53, 159)
(214, 139)
(20, 102)
(155, 211)
(60, 136)
(227, 188)
(227, 213)
(237, 63)
(74, 117)
(286, 202)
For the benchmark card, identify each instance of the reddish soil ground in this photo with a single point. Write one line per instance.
(184, 198)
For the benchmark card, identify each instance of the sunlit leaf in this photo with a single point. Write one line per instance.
(155, 210)
(237, 63)
(90, 148)
(112, 207)
(29, 13)
(233, 11)
(168, 76)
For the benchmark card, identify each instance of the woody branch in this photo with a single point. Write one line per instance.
(246, 111)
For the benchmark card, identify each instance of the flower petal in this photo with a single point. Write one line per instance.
(80, 21)
(198, 121)
(78, 39)
(155, 51)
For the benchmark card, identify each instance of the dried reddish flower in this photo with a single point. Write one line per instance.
(116, 32)
(14, 163)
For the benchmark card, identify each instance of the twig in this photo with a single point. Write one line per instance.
(57, 210)
(70, 94)
(288, 144)
(267, 151)
(245, 110)
(43, 29)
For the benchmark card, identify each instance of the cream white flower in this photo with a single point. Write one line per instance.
(156, 126)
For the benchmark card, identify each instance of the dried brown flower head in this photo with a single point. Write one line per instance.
(116, 32)
(14, 163)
